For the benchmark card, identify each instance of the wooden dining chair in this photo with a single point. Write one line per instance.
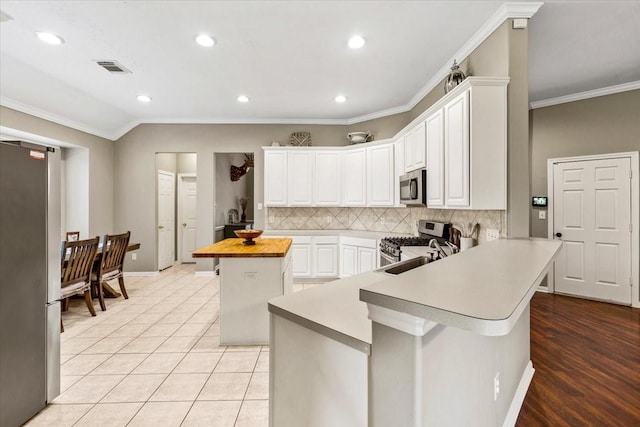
(114, 248)
(76, 264)
(73, 236)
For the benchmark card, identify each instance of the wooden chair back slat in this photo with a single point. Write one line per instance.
(114, 248)
(77, 260)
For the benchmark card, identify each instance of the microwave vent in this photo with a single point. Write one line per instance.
(114, 67)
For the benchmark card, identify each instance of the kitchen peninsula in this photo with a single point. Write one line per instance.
(250, 275)
(446, 343)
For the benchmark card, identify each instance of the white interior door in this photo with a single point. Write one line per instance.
(187, 206)
(592, 215)
(166, 219)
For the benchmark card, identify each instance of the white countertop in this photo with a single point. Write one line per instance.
(483, 289)
(332, 309)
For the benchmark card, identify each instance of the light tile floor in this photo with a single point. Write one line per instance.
(156, 360)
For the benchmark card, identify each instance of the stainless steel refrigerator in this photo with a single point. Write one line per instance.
(29, 279)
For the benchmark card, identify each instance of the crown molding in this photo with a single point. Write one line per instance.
(37, 112)
(506, 11)
(610, 90)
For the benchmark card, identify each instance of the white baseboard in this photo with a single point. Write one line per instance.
(544, 289)
(205, 273)
(141, 273)
(518, 397)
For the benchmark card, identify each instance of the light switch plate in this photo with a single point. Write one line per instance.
(542, 214)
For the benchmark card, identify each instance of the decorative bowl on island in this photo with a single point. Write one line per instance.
(248, 236)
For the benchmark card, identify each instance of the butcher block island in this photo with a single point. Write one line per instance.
(250, 275)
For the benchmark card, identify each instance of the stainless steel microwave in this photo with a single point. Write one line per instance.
(413, 188)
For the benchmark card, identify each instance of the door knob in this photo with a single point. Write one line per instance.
(558, 235)
(160, 227)
(184, 224)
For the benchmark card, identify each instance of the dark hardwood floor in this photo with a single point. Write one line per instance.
(587, 360)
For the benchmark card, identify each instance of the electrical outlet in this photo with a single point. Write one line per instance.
(492, 234)
(134, 257)
(542, 214)
(259, 206)
(381, 220)
(329, 219)
(271, 220)
(496, 386)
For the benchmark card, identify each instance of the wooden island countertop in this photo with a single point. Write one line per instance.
(233, 248)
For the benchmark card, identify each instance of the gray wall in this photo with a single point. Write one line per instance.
(76, 182)
(607, 124)
(228, 193)
(100, 163)
(135, 162)
(503, 54)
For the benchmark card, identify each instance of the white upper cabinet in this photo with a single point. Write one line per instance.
(414, 148)
(456, 141)
(435, 159)
(328, 178)
(275, 178)
(301, 165)
(354, 173)
(380, 175)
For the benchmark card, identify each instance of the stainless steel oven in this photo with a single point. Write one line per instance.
(413, 188)
(386, 259)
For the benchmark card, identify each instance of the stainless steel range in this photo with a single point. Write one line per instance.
(427, 231)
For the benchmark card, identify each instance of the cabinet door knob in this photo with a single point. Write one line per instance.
(558, 235)
(160, 227)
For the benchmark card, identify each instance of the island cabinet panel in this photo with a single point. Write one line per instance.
(315, 381)
(354, 167)
(380, 175)
(328, 178)
(275, 178)
(348, 260)
(301, 166)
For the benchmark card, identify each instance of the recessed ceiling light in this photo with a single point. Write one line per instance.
(340, 99)
(243, 98)
(50, 38)
(144, 98)
(205, 40)
(356, 42)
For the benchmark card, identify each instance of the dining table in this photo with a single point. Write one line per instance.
(108, 291)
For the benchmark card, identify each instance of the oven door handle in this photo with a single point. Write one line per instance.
(388, 258)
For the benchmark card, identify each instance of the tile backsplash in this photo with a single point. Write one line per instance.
(392, 220)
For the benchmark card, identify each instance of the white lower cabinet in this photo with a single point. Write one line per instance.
(325, 257)
(302, 260)
(315, 256)
(357, 255)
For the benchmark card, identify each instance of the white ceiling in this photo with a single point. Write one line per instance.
(289, 57)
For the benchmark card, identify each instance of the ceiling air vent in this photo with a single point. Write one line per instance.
(113, 67)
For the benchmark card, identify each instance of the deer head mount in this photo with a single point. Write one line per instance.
(238, 172)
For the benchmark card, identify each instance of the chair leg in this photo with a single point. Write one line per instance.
(65, 304)
(122, 288)
(61, 325)
(103, 306)
(87, 299)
